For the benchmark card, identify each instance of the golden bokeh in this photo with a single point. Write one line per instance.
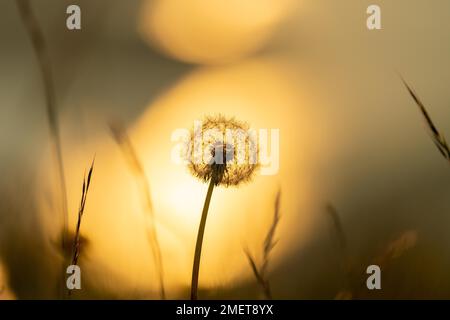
(211, 31)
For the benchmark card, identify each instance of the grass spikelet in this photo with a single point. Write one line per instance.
(436, 136)
(260, 272)
(396, 248)
(121, 137)
(77, 237)
(84, 193)
(393, 250)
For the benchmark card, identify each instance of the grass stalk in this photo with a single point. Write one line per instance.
(121, 137)
(260, 272)
(41, 51)
(346, 262)
(76, 240)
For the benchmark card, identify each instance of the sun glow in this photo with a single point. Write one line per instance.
(257, 91)
(210, 31)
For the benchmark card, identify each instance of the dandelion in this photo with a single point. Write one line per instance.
(221, 151)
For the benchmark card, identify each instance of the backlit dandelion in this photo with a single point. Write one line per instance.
(221, 151)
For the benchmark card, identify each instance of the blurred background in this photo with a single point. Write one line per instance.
(350, 135)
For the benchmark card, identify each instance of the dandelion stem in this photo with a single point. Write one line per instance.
(198, 245)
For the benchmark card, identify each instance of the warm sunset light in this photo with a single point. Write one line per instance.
(264, 96)
(236, 152)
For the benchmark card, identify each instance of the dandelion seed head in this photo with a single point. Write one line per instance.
(222, 149)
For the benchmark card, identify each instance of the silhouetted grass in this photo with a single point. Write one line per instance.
(337, 225)
(260, 272)
(41, 51)
(345, 261)
(84, 193)
(120, 136)
(393, 250)
(436, 136)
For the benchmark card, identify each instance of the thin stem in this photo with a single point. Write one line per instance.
(198, 245)
(158, 257)
(40, 49)
(269, 243)
(76, 242)
(122, 139)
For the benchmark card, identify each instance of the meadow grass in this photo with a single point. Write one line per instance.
(435, 134)
(355, 273)
(40, 48)
(134, 164)
(76, 240)
(261, 271)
